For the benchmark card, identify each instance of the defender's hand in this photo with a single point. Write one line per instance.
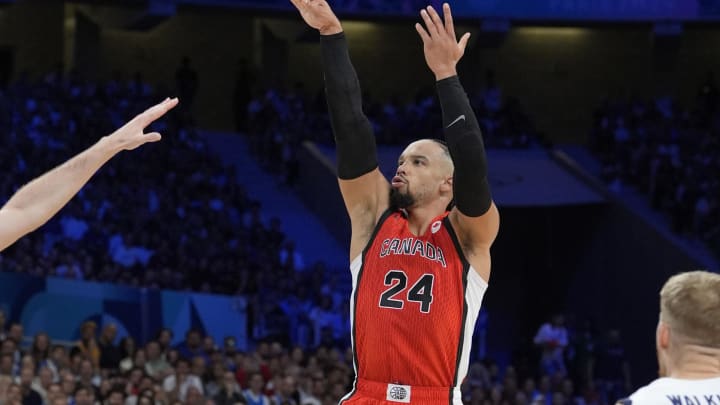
(319, 15)
(132, 135)
(442, 49)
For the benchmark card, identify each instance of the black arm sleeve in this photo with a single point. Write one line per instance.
(356, 149)
(471, 189)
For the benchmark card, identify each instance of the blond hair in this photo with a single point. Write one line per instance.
(690, 305)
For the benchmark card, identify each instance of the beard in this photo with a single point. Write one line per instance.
(400, 200)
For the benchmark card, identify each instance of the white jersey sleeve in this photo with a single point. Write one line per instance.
(673, 391)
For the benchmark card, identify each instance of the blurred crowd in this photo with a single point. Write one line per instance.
(669, 152)
(167, 215)
(278, 120)
(101, 367)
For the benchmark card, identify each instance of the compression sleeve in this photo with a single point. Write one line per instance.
(356, 149)
(471, 189)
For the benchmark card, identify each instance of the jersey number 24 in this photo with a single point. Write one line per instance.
(420, 292)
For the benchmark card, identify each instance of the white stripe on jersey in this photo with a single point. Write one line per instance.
(673, 391)
(355, 267)
(474, 293)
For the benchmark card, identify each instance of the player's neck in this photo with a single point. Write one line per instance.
(420, 218)
(696, 363)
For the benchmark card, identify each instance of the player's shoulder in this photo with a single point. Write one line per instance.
(645, 395)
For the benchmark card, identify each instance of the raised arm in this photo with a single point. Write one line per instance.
(474, 216)
(364, 189)
(36, 202)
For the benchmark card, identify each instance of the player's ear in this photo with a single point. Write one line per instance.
(663, 335)
(447, 185)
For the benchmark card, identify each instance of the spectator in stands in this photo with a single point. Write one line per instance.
(54, 392)
(83, 396)
(58, 361)
(140, 359)
(156, 366)
(198, 367)
(194, 397)
(208, 346)
(164, 339)
(178, 384)
(127, 352)
(41, 384)
(552, 339)
(230, 392)
(88, 345)
(16, 334)
(313, 392)
(10, 349)
(290, 258)
(68, 383)
(612, 371)
(29, 395)
(14, 395)
(254, 393)
(40, 349)
(86, 377)
(192, 346)
(110, 355)
(287, 392)
(116, 397)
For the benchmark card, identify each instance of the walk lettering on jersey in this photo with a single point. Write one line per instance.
(694, 399)
(412, 247)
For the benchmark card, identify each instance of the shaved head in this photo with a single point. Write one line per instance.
(442, 153)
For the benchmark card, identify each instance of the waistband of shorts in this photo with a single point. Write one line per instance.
(381, 391)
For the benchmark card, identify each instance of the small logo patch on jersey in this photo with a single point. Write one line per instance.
(436, 226)
(398, 393)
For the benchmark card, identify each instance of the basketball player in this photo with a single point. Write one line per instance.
(419, 271)
(36, 202)
(688, 343)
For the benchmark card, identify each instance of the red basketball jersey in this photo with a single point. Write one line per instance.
(414, 304)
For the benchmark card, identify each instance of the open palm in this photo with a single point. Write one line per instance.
(440, 44)
(319, 15)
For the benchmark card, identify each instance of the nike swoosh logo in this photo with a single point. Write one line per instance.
(458, 119)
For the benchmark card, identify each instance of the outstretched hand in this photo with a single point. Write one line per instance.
(442, 49)
(319, 15)
(132, 134)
